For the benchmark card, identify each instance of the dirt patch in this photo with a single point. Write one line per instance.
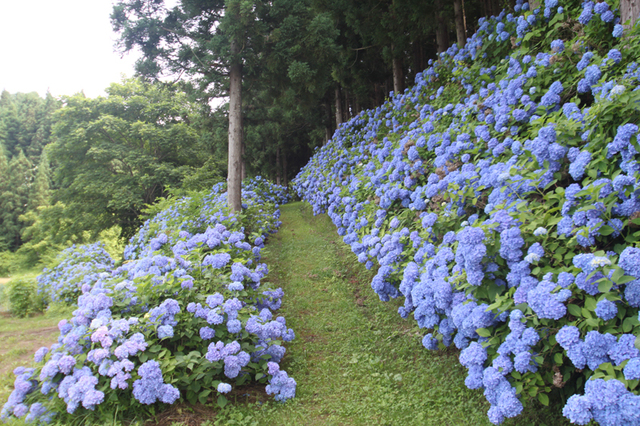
(4, 280)
(194, 415)
(184, 415)
(18, 347)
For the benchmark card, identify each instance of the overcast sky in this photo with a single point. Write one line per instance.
(64, 46)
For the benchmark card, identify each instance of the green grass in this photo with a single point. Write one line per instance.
(355, 360)
(20, 338)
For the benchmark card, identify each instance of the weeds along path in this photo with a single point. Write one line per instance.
(355, 360)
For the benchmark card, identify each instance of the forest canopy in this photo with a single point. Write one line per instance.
(302, 67)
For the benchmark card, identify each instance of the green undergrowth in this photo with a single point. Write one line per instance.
(355, 360)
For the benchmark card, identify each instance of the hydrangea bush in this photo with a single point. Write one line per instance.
(75, 267)
(499, 198)
(183, 316)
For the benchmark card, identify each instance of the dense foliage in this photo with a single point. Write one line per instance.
(25, 130)
(114, 154)
(306, 65)
(499, 198)
(183, 315)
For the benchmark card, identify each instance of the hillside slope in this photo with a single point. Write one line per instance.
(499, 198)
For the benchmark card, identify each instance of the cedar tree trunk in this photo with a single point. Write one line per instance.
(234, 178)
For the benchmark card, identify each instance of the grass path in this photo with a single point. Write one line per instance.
(356, 362)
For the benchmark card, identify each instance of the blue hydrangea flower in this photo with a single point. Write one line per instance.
(224, 387)
(617, 30)
(557, 46)
(615, 55)
(606, 309)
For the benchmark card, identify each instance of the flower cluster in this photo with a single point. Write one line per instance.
(184, 301)
(77, 268)
(500, 206)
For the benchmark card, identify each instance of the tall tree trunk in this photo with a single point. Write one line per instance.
(278, 171)
(629, 11)
(378, 96)
(460, 33)
(398, 76)
(346, 106)
(285, 181)
(418, 57)
(442, 34)
(234, 178)
(464, 18)
(328, 120)
(338, 107)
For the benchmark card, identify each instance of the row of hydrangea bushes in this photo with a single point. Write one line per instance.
(499, 198)
(183, 316)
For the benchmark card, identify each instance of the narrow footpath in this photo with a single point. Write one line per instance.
(356, 362)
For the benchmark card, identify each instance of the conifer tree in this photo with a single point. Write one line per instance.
(4, 175)
(212, 43)
(14, 199)
(41, 190)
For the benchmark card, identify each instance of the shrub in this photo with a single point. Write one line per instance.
(75, 267)
(184, 316)
(11, 263)
(22, 297)
(499, 198)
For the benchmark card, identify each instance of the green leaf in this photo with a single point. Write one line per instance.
(629, 323)
(608, 368)
(222, 401)
(604, 286)
(483, 332)
(574, 310)
(590, 303)
(494, 305)
(592, 322)
(543, 398)
(625, 279)
(558, 358)
(617, 275)
(606, 230)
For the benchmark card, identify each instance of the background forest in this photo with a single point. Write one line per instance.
(522, 141)
(75, 167)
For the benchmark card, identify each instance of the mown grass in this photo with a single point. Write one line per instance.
(355, 360)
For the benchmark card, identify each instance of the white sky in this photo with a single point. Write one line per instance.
(64, 46)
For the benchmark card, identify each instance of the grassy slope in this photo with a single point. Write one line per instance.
(355, 360)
